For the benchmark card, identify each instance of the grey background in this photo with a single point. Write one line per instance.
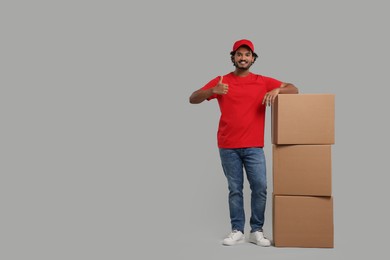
(102, 156)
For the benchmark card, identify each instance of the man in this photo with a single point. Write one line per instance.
(242, 97)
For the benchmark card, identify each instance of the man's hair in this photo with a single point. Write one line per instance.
(234, 52)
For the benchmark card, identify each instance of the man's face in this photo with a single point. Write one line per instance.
(243, 58)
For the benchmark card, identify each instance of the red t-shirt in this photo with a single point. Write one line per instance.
(242, 115)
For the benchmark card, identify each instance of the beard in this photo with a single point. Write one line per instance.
(245, 66)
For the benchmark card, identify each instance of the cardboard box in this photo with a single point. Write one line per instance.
(303, 221)
(303, 119)
(302, 170)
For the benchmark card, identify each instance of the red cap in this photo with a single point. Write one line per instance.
(246, 42)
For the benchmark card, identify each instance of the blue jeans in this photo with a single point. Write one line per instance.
(253, 160)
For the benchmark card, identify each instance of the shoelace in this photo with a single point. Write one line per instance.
(259, 236)
(233, 233)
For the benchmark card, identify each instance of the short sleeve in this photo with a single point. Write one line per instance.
(212, 83)
(272, 83)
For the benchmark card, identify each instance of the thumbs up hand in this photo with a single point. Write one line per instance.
(221, 88)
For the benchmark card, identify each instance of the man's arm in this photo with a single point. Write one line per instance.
(202, 94)
(285, 88)
(288, 88)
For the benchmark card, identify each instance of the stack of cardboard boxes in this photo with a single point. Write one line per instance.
(302, 135)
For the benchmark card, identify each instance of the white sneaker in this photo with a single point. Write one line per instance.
(236, 237)
(259, 239)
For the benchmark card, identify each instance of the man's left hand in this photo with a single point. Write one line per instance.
(270, 96)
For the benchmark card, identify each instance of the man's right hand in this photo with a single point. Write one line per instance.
(220, 88)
